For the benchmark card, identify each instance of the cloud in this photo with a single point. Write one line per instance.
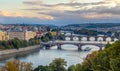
(116, 1)
(33, 2)
(6, 13)
(70, 12)
(96, 16)
(26, 20)
(73, 1)
(76, 12)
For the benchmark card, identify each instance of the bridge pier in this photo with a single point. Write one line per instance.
(47, 47)
(79, 47)
(100, 47)
(71, 38)
(41, 46)
(59, 47)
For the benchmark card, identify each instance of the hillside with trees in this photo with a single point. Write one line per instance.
(93, 25)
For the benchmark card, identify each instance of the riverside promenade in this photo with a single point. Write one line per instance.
(11, 52)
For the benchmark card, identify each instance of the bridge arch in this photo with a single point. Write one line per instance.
(75, 38)
(93, 47)
(92, 39)
(84, 39)
(100, 39)
(68, 33)
(115, 39)
(69, 46)
(67, 38)
(108, 39)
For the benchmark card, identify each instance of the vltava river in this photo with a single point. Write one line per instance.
(44, 57)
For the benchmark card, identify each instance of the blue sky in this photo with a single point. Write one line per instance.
(59, 12)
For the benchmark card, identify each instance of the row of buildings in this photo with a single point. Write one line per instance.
(22, 35)
(22, 32)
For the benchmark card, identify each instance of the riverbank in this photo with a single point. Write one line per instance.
(16, 52)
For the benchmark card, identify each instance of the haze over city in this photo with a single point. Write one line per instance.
(59, 12)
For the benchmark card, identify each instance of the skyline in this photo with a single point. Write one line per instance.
(59, 12)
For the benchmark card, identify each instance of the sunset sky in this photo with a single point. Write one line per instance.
(59, 12)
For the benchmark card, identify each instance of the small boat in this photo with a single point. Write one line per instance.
(87, 49)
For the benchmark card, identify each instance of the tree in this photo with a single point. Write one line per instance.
(24, 43)
(49, 35)
(42, 68)
(1, 47)
(108, 59)
(61, 37)
(58, 64)
(44, 39)
(16, 43)
(31, 42)
(17, 66)
(72, 68)
(4, 43)
(107, 45)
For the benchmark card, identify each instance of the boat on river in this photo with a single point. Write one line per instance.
(87, 49)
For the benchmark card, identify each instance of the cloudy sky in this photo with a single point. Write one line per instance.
(59, 12)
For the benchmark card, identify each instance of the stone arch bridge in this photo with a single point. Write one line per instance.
(80, 41)
(90, 38)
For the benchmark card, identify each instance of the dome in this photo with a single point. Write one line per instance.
(35, 28)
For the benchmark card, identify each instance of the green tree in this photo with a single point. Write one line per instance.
(58, 64)
(72, 68)
(24, 43)
(42, 68)
(45, 39)
(4, 43)
(16, 43)
(49, 35)
(108, 59)
(107, 45)
(16, 65)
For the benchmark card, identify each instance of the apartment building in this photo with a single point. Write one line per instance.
(22, 35)
(3, 36)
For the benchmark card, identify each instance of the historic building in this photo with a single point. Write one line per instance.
(22, 35)
(3, 36)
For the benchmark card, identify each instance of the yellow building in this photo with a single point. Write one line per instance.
(3, 36)
(54, 33)
(22, 35)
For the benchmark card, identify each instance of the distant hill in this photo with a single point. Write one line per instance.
(49, 25)
(93, 25)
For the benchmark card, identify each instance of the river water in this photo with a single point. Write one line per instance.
(44, 57)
